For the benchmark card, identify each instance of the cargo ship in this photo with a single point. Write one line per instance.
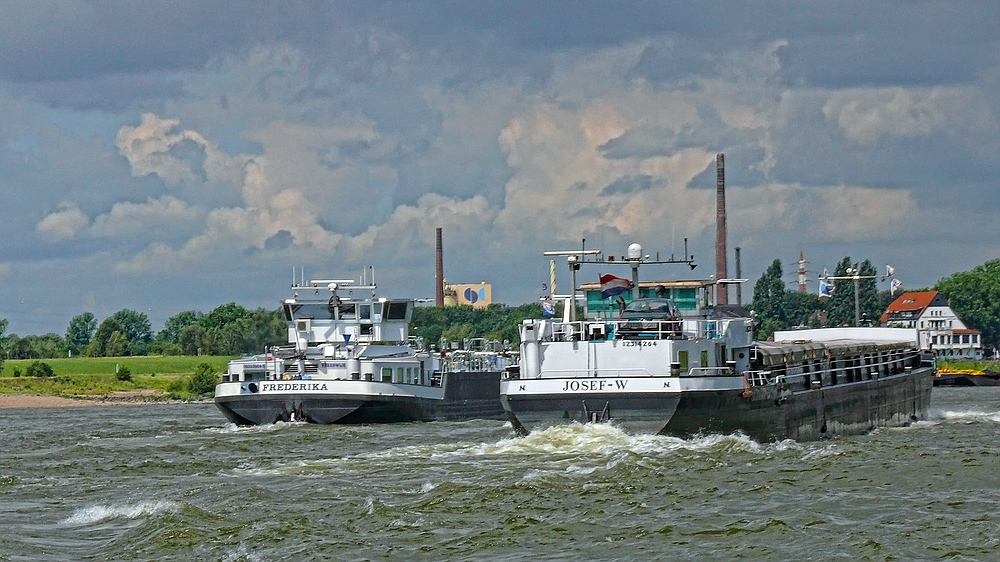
(350, 359)
(653, 370)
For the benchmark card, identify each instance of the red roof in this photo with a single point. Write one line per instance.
(913, 302)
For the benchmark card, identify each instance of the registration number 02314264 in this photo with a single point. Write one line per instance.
(638, 343)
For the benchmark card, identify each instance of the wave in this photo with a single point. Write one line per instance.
(607, 438)
(558, 443)
(964, 416)
(251, 429)
(97, 513)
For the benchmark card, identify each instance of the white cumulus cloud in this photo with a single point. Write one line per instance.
(866, 115)
(127, 219)
(65, 224)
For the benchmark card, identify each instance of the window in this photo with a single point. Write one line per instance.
(682, 358)
(347, 312)
(396, 310)
(386, 374)
(704, 358)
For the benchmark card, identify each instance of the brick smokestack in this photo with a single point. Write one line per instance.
(439, 271)
(721, 271)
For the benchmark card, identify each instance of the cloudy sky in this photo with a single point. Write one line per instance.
(170, 156)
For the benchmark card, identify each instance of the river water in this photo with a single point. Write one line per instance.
(175, 482)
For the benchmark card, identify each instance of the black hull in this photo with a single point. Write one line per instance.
(638, 413)
(468, 395)
(768, 414)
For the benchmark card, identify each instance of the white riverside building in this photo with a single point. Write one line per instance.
(939, 329)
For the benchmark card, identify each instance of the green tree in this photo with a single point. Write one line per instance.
(171, 331)
(801, 309)
(840, 305)
(136, 329)
(100, 341)
(869, 301)
(222, 315)
(192, 339)
(459, 333)
(117, 345)
(203, 380)
(80, 332)
(47, 346)
(19, 348)
(975, 298)
(3, 328)
(495, 322)
(769, 301)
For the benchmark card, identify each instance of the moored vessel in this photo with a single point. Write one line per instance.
(350, 359)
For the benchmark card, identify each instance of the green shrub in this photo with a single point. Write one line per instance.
(203, 381)
(177, 386)
(124, 374)
(17, 372)
(38, 369)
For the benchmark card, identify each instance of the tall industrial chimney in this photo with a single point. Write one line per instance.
(721, 272)
(439, 271)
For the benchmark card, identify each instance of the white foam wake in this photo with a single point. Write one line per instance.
(97, 513)
(967, 416)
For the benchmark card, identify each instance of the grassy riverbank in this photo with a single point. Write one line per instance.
(153, 378)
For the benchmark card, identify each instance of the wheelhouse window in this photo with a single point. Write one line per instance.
(314, 311)
(396, 310)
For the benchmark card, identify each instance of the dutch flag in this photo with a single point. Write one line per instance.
(612, 286)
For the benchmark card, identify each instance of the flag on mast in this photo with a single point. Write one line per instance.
(612, 286)
(894, 285)
(825, 289)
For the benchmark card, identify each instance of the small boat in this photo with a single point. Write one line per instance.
(655, 371)
(350, 359)
(966, 377)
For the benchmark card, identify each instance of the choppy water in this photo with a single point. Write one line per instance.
(175, 482)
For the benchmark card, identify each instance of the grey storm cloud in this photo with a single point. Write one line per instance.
(177, 155)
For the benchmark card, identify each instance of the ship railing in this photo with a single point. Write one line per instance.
(711, 372)
(600, 373)
(460, 361)
(636, 329)
(658, 329)
(760, 378)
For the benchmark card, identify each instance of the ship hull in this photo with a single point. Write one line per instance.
(461, 396)
(766, 413)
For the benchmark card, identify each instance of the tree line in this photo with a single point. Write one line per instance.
(229, 329)
(973, 295)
